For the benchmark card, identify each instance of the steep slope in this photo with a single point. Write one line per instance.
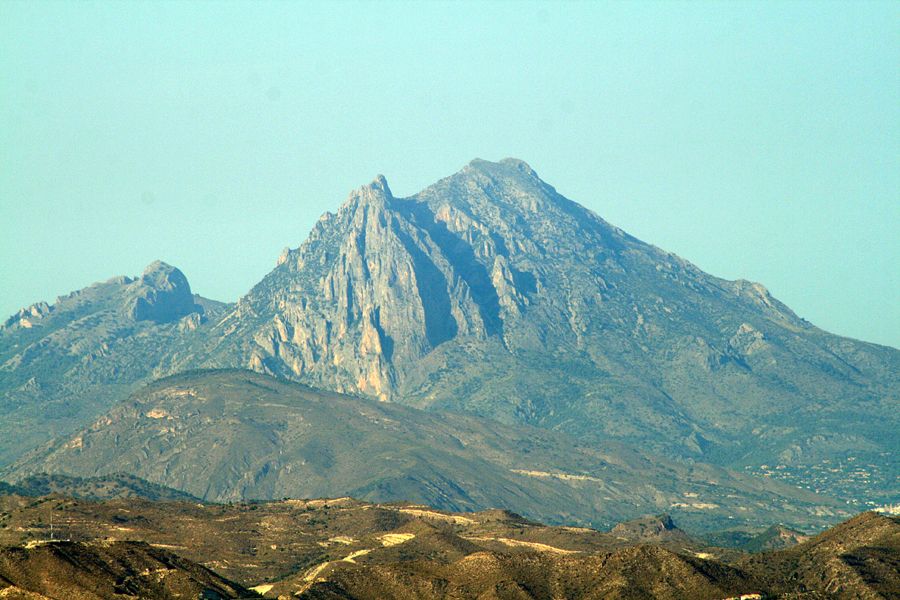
(489, 293)
(234, 435)
(63, 364)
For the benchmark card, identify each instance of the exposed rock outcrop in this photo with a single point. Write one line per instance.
(489, 292)
(162, 294)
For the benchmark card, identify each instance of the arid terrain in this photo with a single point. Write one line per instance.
(449, 300)
(344, 548)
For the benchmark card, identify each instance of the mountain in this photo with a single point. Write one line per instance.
(773, 537)
(489, 294)
(63, 364)
(236, 435)
(864, 566)
(345, 548)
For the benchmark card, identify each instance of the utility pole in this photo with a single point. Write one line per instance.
(51, 523)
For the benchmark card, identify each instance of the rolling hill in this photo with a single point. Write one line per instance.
(351, 549)
(235, 435)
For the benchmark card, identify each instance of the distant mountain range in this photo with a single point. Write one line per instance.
(490, 295)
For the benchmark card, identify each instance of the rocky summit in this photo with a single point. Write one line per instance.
(162, 294)
(63, 364)
(489, 294)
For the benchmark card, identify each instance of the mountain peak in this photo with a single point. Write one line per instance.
(489, 293)
(157, 265)
(508, 165)
(518, 163)
(377, 192)
(380, 183)
(163, 276)
(162, 294)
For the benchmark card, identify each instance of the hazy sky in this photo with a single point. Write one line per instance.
(757, 140)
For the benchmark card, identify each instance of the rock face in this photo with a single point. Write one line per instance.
(162, 295)
(26, 316)
(62, 364)
(650, 529)
(490, 293)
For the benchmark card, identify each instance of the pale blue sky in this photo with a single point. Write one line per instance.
(757, 140)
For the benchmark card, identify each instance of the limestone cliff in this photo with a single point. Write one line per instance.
(490, 293)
